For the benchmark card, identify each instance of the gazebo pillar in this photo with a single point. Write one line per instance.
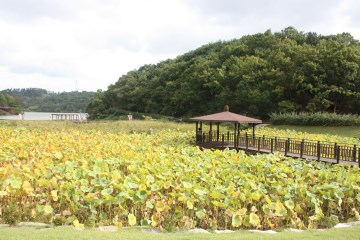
(217, 131)
(253, 130)
(235, 134)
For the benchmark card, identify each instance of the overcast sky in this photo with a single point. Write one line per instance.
(68, 45)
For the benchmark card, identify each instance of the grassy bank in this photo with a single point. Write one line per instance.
(67, 233)
(345, 131)
(106, 126)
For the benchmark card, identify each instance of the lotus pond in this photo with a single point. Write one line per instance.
(84, 176)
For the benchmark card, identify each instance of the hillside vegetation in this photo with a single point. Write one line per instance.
(287, 71)
(6, 101)
(41, 100)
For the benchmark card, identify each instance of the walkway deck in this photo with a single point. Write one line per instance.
(317, 151)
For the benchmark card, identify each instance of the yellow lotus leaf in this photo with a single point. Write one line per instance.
(155, 220)
(27, 187)
(58, 155)
(160, 206)
(33, 212)
(119, 224)
(77, 224)
(3, 193)
(131, 219)
(54, 195)
(167, 185)
(182, 198)
(190, 204)
(48, 209)
(142, 187)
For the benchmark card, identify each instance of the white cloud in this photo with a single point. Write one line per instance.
(53, 44)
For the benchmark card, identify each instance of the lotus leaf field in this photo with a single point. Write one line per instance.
(91, 177)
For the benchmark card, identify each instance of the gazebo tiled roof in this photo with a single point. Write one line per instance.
(226, 116)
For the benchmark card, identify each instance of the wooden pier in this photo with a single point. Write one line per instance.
(76, 117)
(298, 148)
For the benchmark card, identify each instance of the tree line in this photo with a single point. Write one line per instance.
(286, 71)
(9, 104)
(41, 100)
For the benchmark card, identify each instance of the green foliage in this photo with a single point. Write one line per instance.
(7, 100)
(41, 100)
(257, 74)
(11, 214)
(315, 119)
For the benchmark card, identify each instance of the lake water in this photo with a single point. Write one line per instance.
(35, 116)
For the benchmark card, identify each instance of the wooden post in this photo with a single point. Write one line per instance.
(246, 141)
(318, 151)
(196, 130)
(235, 125)
(210, 132)
(302, 148)
(338, 154)
(272, 145)
(259, 139)
(275, 143)
(263, 141)
(237, 140)
(286, 147)
(335, 150)
(228, 136)
(253, 130)
(354, 153)
(359, 157)
(217, 131)
(289, 150)
(222, 139)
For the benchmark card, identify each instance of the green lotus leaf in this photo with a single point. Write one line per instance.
(16, 182)
(289, 204)
(200, 191)
(155, 187)
(142, 194)
(200, 214)
(131, 185)
(187, 184)
(149, 205)
(107, 191)
(150, 179)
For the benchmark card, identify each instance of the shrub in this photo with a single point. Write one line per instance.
(315, 119)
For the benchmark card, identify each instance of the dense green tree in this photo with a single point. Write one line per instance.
(9, 104)
(41, 100)
(257, 74)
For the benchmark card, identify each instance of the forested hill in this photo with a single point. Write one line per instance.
(255, 75)
(41, 100)
(9, 104)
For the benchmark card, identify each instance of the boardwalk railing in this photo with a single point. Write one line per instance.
(315, 150)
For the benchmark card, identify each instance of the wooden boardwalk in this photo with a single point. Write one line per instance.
(318, 151)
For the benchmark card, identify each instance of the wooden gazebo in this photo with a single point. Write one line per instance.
(297, 148)
(218, 118)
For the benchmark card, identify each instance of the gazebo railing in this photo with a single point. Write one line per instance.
(333, 152)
